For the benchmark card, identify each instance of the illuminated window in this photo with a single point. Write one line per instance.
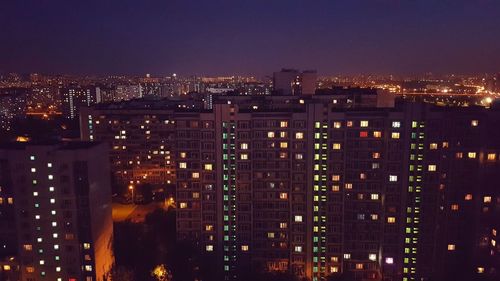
(299, 156)
(375, 155)
(451, 247)
(432, 168)
(209, 227)
(244, 146)
(28, 247)
(396, 124)
(270, 235)
(336, 146)
(30, 269)
(393, 178)
(347, 256)
(33, 170)
(298, 218)
(389, 260)
(244, 156)
(468, 197)
(480, 270)
(374, 217)
(244, 248)
(183, 205)
(363, 124)
(433, 146)
(372, 257)
(337, 125)
(42, 262)
(182, 165)
(283, 225)
(474, 123)
(363, 134)
(195, 175)
(283, 195)
(183, 154)
(348, 186)
(86, 246)
(471, 155)
(335, 177)
(335, 188)
(196, 195)
(459, 155)
(492, 156)
(362, 176)
(299, 135)
(50, 177)
(395, 135)
(377, 134)
(270, 135)
(334, 269)
(487, 199)
(32, 157)
(454, 207)
(359, 266)
(283, 124)
(208, 167)
(298, 249)
(391, 220)
(283, 145)
(283, 134)
(374, 196)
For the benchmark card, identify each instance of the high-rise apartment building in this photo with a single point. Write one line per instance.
(62, 209)
(12, 105)
(322, 186)
(74, 98)
(293, 82)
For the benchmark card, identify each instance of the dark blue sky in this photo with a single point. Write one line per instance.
(249, 37)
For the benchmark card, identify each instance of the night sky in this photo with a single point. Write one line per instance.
(249, 37)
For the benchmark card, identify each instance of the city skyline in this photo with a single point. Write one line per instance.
(217, 38)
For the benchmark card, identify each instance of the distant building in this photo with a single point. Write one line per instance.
(12, 105)
(127, 92)
(76, 97)
(62, 200)
(293, 82)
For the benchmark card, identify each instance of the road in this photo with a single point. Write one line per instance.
(135, 213)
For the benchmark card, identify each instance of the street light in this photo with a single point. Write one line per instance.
(131, 188)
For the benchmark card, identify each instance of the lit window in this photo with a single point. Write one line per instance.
(270, 235)
(183, 205)
(362, 176)
(374, 196)
(335, 188)
(51, 189)
(363, 134)
(299, 135)
(468, 197)
(337, 125)
(474, 123)
(432, 168)
(50, 177)
(86, 246)
(209, 248)
(183, 154)
(209, 227)
(372, 257)
(433, 146)
(359, 266)
(88, 268)
(363, 124)
(336, 146)
(58, 269)
(375, 155)
(196, 195)
(451, 247)
(270, 135)
(298, 218)
(244, 146)
(283, 124)
(52, 201)
(348, 186)
(283, 195)
(480, 270)
(459, 155)
(396, 124)
(395, 135)
(182, 165)
(389, 260)
(28, 247)
(283, 145)
(244, 156)
(208, 167)
(377, 134)
(33, 170)
(454, 207)
(393, 178)
(195, 175)
(283, 225)
(347, 256)
(244, 248)
(42, 262)
(56, 247)
(334, 269)
(335, 177)
(30, 269)
(35, 193)
(391, 220)
(49, 165)
(471, 155)
(32, 157)
(374, 217)
(492, 157)
(487, 199)
(349, 123)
